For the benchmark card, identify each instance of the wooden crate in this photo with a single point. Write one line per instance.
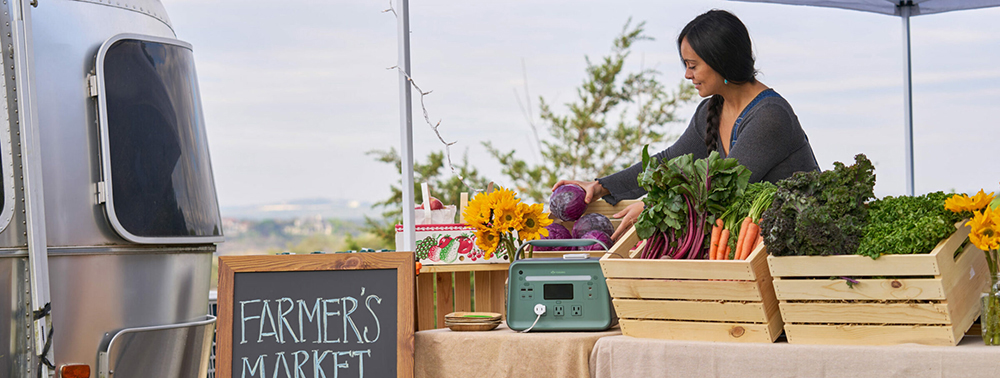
(456, 291)
(692, 299)
(928, 299)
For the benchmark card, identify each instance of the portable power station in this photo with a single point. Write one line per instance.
(559, 294)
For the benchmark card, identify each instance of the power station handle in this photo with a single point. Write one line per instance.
(557, 243)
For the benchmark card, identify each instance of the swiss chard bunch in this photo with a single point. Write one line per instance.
(907, 225)
(820, 213)
(684, 197)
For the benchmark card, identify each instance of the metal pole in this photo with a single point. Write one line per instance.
(907, 98)
(405, 126)
(34, 202)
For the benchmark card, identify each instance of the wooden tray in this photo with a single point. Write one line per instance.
(473, 327)
(928, 299)
(708, 300)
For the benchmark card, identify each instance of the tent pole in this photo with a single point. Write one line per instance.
(907, 97)
(405, 127)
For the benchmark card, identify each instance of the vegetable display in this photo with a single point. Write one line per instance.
(820, 213)
(684, 198)
(907, 225)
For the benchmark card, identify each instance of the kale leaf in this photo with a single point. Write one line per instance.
(820, 213)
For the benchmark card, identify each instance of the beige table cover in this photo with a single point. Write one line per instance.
(504, 353)
(624, 356)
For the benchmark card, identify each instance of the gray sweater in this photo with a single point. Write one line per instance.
(770, 142)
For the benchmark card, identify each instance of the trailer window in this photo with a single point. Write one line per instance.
(157, 168)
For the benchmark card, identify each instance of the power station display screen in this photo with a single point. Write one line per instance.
(558, 291)
(160, 171)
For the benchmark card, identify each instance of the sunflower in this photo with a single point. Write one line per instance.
(478, 212)
(487, 240)
(534, 223)
(985, 233)
(961, 202)
(509, 217)
(503, 197)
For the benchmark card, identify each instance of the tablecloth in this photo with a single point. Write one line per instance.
(504, 353)
(624, 356)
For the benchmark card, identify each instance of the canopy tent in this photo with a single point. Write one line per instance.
(903, 9)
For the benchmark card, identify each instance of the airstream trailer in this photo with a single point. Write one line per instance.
(109, 213)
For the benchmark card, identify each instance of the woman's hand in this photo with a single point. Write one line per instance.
(629, 216)
(593, 189)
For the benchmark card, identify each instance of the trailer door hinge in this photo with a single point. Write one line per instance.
(92, 84)
(102, 195)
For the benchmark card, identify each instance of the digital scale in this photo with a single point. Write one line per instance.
(559, 294)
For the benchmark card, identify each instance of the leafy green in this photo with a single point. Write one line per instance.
(907, 225)
(684, 197)
(820, 213)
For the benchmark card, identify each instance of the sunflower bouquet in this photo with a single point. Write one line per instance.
(502, 222)
(984, 234)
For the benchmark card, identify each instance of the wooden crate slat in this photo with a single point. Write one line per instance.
(445, 297)
(964, 297)
(684, 289)
(698, 331)
(463, 267)
(865, 313)
(425, 302)
(865, 289)
(770, 301)
(484, 292)
(738, 312)
(971, 263)
(830, 266)
(678, 269)
(463, 292)
(499, 296)
(870, 334)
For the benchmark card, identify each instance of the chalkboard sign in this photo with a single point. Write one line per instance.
(313, 316)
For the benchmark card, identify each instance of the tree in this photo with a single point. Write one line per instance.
(588, 143)
(444, 185)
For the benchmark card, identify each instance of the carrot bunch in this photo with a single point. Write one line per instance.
(735, 239)
(747, 238)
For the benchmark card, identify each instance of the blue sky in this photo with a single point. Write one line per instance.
(294, 95)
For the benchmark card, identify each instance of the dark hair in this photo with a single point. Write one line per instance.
(723, 42)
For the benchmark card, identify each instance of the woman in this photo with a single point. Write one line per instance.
(741, 119)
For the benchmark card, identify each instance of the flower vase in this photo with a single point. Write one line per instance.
(990, 318)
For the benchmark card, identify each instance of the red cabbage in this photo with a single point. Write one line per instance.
(590, 222)
(556, 231)
(600, 236)
(567, 202)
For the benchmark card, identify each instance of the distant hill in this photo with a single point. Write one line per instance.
(323, 207)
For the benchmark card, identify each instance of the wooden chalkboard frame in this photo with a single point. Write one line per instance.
(402, 262)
